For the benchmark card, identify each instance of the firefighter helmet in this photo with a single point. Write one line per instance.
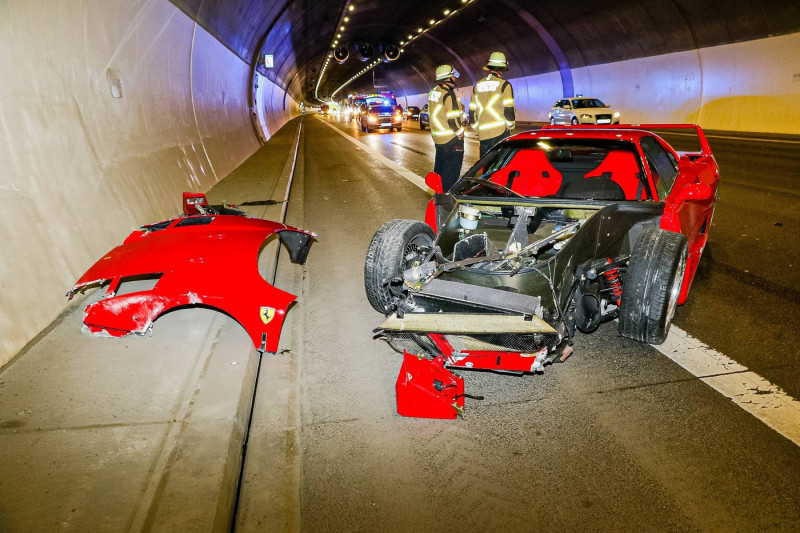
(445, 71)
(497, 61)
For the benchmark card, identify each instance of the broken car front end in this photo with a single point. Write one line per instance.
(506, 281)
(203, 259)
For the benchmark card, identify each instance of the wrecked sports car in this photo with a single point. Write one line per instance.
(207, 258)
(553, 230)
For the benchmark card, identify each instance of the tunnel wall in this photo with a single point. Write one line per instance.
(751, 86)
(81, 168)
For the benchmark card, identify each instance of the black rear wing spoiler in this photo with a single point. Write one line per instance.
(701, 136)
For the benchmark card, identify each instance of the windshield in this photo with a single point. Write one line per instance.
(381, 109)
(597, 169)
(381, 100)
(584, 103)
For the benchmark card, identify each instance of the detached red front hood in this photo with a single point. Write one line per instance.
(203, 260)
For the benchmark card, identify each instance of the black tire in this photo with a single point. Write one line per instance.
(421, 125)
(552, 121)
(574, 121)
(394, 247)
(399, 128)
(652, 285)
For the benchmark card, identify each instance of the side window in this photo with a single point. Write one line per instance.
(663, 165)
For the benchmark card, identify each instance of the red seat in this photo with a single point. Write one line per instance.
(536, 176)
(623, 170)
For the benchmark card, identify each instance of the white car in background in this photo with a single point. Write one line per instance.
(582, 110)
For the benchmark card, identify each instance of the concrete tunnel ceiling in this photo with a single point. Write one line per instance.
(538, 37)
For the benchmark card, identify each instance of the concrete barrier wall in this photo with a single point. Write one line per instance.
(751, 86)
(108, 111)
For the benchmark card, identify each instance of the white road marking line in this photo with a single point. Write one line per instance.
(762, 399)
(767, 402)
(407, 174)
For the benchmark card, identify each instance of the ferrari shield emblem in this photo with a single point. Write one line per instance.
(267, 314)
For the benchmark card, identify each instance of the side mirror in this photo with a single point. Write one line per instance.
(434, 181)
(698, 192)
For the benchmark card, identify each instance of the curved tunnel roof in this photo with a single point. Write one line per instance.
(537, 37)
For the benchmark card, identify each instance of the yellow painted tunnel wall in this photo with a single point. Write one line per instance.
(752, 86)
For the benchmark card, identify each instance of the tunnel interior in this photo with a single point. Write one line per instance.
(109, 112)
(537, 37)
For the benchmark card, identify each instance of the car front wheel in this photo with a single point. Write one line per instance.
(398, 245)
(574, 121)
(652, 285)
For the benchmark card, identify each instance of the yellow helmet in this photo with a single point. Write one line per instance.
(445, 71)
(497, 61)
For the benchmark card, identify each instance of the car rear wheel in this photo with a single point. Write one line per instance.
(652, 285)
(422, 126)
(398, 245)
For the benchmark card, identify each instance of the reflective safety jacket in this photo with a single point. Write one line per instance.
(491, 109)
(444, 113)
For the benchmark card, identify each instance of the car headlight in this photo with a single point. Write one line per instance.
(372, 119)
(616, 114)
(586, 115)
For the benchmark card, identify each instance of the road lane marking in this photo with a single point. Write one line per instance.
(407, 174)
(762, 399)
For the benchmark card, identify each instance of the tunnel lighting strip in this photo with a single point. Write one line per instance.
(413, 36)
(341, 26)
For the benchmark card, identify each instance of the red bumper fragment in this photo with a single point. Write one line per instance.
(426, 389)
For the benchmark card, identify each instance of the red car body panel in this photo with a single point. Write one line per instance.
(198, 260)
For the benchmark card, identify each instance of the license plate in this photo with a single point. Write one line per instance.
(604, 121)
(386, 124)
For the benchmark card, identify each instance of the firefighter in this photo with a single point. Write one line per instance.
(491, 110)
(446, 128)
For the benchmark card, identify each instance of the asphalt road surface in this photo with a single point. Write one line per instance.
(619, 438)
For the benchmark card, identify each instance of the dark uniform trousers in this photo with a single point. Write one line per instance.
(447, 163)
(488, 143)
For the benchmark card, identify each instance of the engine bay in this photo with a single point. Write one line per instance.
(498, 239)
